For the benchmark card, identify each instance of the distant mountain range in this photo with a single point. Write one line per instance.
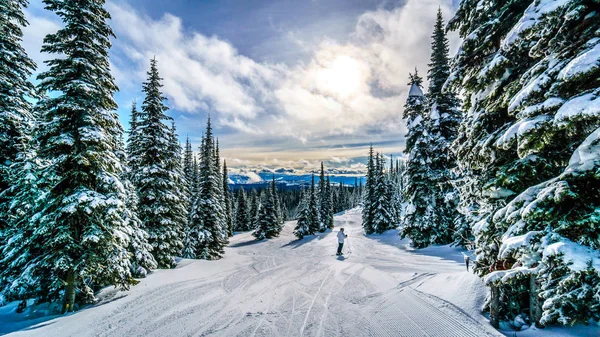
(285, 180)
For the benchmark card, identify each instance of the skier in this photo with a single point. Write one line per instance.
(341, 237)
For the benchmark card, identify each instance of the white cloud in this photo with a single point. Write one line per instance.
(199, 72)
(33, 37)
(353, 89)
(345, 88)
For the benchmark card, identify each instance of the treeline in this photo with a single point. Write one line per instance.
(513, 170)
(319, 203)
(382, 205)
(247, 201)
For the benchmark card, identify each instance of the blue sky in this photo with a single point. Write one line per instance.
(287, 83)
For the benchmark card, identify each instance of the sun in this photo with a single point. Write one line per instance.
(342, 76)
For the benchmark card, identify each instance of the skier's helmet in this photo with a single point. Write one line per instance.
(342, 229)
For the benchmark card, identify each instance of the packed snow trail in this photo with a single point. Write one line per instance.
(285, 287)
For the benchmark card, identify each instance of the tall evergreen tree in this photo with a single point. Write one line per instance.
(180, 182)
(254, 208)
(142, 260)
(444, 118)
(420, 220)
(190, 179)
(303, 225)
(79, 242)
(195, 188)
(243, 219)
(322, 198)
(23, 193)
(15, 111)
(531, 111)
(268, 224)
(133, 152)
(314, 222)
(369, 195)
(382, 208)
(188, 164)
(157, 179)
(208, 217)
(328, 203)
(227, 201)
(277, 203)
(15, 69)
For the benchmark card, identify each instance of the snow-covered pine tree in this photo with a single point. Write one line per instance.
(254, 208)
(188, 163)
(313, 208)
(161, 204)
(337, 195)
(190, 176)
(303, 226)
(398, 186)
(24, 192)
(368, 194)
(208, 217)
(276, 200)
(180, 181)
(442, 128)
(530, 75)
(142, 260)
(227, 201)
(284, 210)
(15, 110)
(243, 219)
(133, 152)
(79, 243)
(382, 217)
(419, 223)
(195, 188)
(322, 200)
(268, 224)
(328, 203)
(395, 191)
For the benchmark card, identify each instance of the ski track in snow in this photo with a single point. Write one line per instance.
(283, 287)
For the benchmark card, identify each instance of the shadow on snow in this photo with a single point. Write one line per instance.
(246, 243)
(301, 242)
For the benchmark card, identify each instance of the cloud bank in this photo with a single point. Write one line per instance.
(278, 115)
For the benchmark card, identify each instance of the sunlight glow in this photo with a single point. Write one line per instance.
(341, 77)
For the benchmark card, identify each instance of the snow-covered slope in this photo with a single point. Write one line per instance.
(285, 287)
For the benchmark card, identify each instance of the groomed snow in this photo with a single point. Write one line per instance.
(285, 287)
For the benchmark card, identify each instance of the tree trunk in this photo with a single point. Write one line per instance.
(535, 305)
(69, 297)
(494, 304)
